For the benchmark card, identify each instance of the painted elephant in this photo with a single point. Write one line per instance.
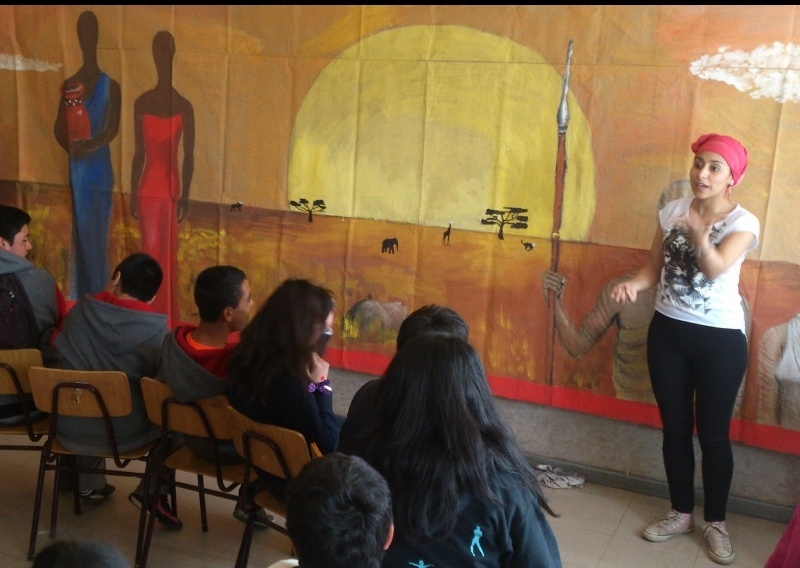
(390, 245)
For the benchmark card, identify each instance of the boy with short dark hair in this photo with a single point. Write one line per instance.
(338, 514)
(194, 359)
(22, 284)
(42, 291)
(115, 330)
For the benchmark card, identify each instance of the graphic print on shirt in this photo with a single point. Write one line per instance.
(476, 541)
(685, 285)
(420, 564)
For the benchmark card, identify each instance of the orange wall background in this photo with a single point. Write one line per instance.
(404, 119)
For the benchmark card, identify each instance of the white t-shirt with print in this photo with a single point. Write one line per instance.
(684, 292)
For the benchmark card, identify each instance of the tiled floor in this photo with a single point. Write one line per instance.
(598, 528)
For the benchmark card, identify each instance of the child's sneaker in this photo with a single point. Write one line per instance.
(165, 516)
(137, 497)
(719, 542)
(263, 520)
(97, 495)
(673, 524)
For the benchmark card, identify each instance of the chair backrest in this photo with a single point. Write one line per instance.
(81, 393)
(270, 448)
(14, 365)
(206, 418)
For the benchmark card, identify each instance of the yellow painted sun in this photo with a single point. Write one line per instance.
(436, 124)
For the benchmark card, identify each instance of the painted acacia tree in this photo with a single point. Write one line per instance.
(511, 216)
(304, 205)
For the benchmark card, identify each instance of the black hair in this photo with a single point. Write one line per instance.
(217, 288)
(339, 513)
(12, 219)
(140, 276)
(278, 340)
(439, 435)
(432, 318)
(70, 554)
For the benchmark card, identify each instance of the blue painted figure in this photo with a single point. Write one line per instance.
(90, 173)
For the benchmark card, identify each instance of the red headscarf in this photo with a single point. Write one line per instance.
(729, 148)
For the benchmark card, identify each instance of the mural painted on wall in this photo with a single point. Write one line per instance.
(504, 161)
(779, 375)
(162, 119)
(87, 122)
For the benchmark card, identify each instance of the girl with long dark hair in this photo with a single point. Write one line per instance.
(461, 488)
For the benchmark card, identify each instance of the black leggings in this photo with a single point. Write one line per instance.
(696, 371)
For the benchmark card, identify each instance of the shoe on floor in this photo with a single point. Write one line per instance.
(164, 515)
(673, 524)
(97, 495)
(719, 542)
(262, 518)
(137, 497)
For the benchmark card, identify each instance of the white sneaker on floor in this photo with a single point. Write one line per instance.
(673, 524)
(719, 542)
(263, 519)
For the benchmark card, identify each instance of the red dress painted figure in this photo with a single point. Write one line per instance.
(157, 196)
(163, 122)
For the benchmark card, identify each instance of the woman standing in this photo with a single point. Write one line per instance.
(277, 375)
(696, 346)
(462, 492)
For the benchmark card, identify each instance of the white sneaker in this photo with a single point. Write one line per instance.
(673, 524)
(719, 542)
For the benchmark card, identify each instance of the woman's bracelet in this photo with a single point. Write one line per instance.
(323, 386)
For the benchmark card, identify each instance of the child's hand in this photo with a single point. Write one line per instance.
(319, 369)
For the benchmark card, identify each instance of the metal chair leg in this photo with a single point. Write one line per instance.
(37, 505)
(244, 548)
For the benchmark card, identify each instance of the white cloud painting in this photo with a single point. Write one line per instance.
(768, 71)
(19, 63)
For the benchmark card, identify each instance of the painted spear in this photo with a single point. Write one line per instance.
(562, 119)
